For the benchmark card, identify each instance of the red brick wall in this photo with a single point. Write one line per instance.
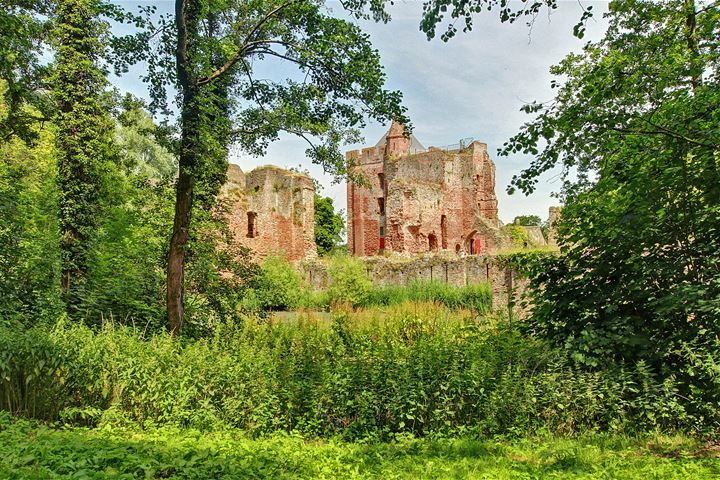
(420, 189)
(363, 209)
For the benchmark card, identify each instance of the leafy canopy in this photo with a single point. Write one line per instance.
(335, 82)
(24, 34)
(636, 119)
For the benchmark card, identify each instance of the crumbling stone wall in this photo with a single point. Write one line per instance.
(271, 210)
(419, 200)
(458, 271)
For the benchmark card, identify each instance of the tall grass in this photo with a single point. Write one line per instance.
(477, 297)
(417, 369)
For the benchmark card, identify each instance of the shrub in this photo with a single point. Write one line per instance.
(30, 363)
(350, 281)
(518, 235)
(278, 287)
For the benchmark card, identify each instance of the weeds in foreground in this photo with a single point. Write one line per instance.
(423, 370)
(33, 451)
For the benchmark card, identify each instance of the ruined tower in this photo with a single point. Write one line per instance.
(397, 141)
(422, 200)
(272, 211)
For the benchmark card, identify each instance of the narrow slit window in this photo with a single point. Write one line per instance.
(443, 231)
(381, 206)
(252, 225)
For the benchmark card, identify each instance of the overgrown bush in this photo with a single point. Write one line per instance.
(350, 280)
(418, 370)
(638, 277)
(277, 287)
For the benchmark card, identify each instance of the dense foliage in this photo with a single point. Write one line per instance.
(636, 117)
(24, 30)
(127, 248)
(29, 233)
(415, 368)
(34, 451)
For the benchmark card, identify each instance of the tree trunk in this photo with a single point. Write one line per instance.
(692, 43)
(176, 257)
(187, 158)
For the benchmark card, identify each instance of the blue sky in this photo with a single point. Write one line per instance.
(471, 86)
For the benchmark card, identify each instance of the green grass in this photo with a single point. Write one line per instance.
(31, 451)
(477, 297)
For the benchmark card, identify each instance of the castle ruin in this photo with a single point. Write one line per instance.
(271, 211)
(418, 200)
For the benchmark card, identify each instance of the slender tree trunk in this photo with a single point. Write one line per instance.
(692, 42)
(188, 158)
(176, 257)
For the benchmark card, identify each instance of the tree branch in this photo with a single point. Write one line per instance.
(660, 131)
(244, 48)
